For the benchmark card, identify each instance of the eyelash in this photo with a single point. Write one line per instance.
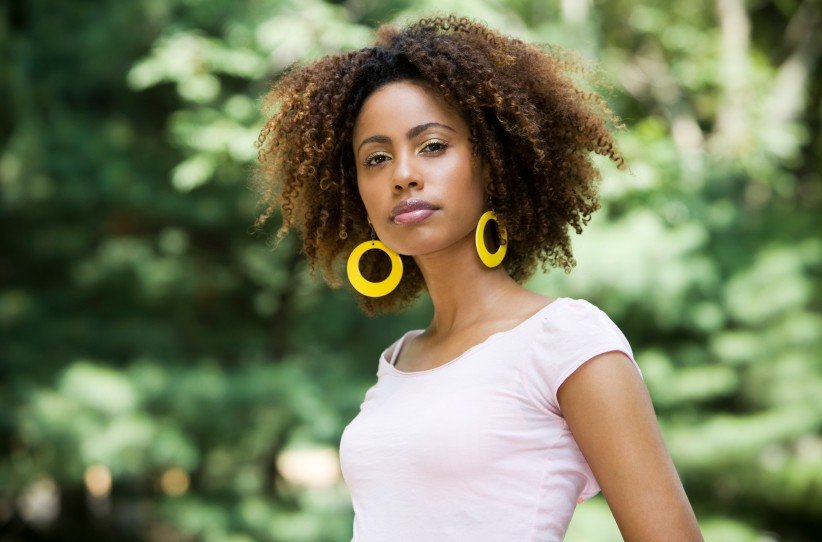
(367, 163)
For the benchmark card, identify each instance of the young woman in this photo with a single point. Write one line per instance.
(451, 158)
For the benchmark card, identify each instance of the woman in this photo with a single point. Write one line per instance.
(454, 159)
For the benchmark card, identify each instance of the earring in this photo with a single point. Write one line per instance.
(488, 258)
(365, 286)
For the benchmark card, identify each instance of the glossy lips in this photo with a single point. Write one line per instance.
(412, 210)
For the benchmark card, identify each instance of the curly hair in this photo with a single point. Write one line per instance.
(527, 116)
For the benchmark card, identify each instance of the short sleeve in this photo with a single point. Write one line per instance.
(566, 339)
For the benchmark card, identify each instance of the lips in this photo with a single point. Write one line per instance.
(412, 210)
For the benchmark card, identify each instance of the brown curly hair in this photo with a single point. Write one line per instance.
(528, 119)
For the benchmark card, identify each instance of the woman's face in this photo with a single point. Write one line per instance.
(411, 147)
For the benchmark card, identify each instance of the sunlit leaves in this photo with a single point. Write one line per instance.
(146, 333)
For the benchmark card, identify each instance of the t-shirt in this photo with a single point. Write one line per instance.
(477, 449)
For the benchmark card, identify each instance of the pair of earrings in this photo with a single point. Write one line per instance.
(387, 285)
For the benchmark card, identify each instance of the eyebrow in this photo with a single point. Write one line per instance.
(410, 134)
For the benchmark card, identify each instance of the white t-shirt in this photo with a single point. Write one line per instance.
(477, 449)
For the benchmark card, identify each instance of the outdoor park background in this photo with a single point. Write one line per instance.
(165, 375)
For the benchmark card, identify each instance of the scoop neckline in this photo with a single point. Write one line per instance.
(490, 339)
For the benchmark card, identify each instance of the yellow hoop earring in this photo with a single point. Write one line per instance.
(488, 258)
(365, 286)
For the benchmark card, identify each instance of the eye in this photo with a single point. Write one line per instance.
(371, 159)
(435, 146)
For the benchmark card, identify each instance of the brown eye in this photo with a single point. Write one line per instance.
(371, 160)
(435, 146)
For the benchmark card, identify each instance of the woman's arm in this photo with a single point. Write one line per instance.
(608, 409)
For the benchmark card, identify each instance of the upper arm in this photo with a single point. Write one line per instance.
(611, 416)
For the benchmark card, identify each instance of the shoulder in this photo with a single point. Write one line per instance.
(569, 335)
(389, 352)
(582, 310)
(577, 323)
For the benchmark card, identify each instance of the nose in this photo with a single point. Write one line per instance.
(405, 176)
(404, 185)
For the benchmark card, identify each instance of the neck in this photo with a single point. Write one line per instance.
(462, 289)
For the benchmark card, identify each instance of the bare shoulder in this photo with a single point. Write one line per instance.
(611, 416)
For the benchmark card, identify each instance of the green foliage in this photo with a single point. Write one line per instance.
(145, 330)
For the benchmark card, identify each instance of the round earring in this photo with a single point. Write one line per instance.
(365, 286)
(488, 258)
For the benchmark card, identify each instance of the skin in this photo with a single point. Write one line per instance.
(605, 402)
(609, 411)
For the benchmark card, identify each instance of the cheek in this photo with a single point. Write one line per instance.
(470, 183)
(362, 188)
(368, 197)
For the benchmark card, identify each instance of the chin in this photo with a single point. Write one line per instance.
(409, 248)
(427, 244)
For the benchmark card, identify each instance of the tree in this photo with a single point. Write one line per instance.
(157, 361)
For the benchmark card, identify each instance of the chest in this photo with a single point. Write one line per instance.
(453, 426)
(418, 353)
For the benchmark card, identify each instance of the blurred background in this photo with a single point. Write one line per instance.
(165, 375)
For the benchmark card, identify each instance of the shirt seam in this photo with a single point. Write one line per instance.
(545, 471)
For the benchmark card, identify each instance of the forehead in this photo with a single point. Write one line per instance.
(399, 105)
